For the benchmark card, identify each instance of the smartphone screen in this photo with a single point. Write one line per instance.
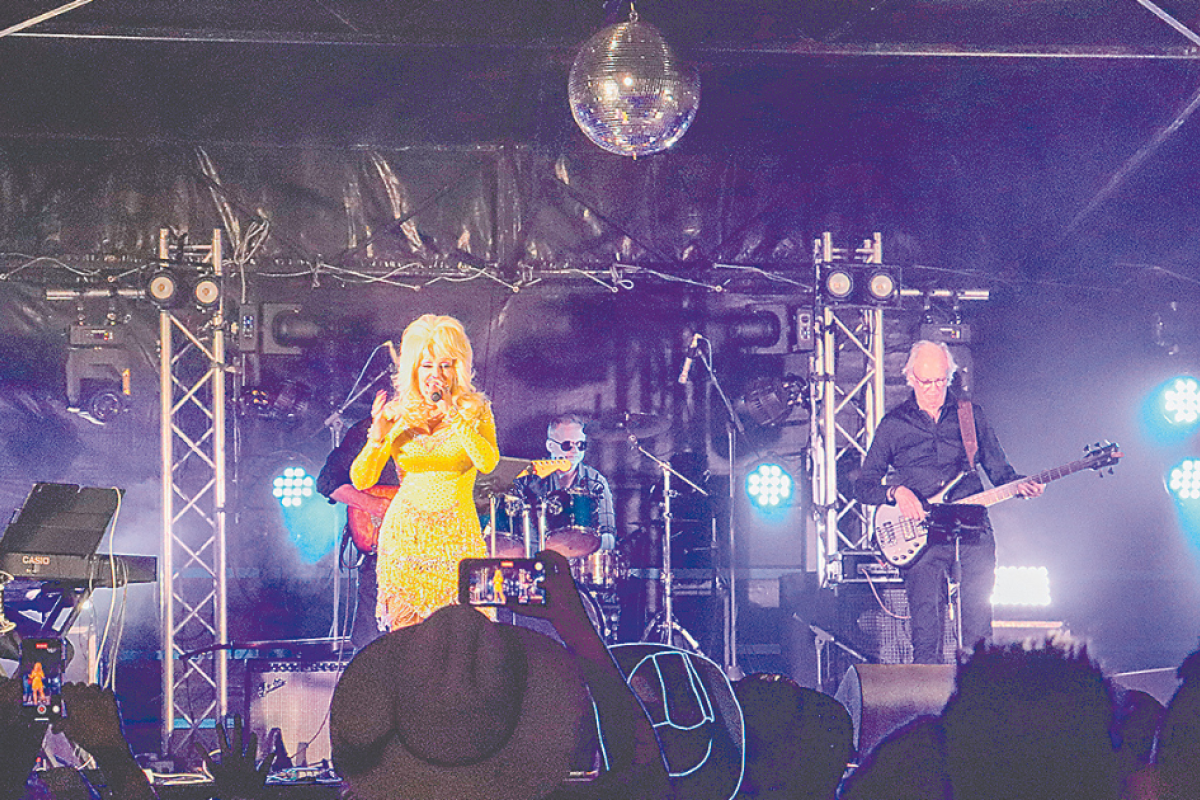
(501, 582)
(41, 671)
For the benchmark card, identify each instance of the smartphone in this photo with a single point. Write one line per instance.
(41, 673)
(501, 582)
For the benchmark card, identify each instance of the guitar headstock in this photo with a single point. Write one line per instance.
(1103, 455)
(548, 466)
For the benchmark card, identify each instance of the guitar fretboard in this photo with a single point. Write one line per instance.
(1009, 490)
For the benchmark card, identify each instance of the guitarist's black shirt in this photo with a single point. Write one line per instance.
(912, 450)
(336, 471)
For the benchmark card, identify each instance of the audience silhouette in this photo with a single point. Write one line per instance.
(461, 706)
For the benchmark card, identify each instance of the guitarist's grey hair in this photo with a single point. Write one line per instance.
(917, 347)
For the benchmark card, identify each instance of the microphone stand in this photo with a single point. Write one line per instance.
(337, 426)
(666, 618)
(733, 427)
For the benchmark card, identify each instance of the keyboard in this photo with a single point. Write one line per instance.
(96, 571)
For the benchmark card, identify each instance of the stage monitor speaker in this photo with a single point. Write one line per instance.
(294, 697)
(882, 697)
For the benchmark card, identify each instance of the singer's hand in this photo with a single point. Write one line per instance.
(384, 414)
(437, 392)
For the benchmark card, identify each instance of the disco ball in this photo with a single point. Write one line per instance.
(629, 94)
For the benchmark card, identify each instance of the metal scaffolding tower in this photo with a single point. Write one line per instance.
(192, 374)
(847, 404)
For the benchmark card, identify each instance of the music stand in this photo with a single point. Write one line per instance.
(59, 519)
(956, 522)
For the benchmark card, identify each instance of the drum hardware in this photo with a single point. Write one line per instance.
(496, 484)
(664, 622)
(619, 426)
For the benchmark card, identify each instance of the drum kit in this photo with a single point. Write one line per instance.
(520, 524)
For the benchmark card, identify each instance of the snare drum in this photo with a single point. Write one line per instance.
(602, 569)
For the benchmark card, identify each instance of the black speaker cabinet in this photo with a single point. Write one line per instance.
(294, 697)
(882, 697)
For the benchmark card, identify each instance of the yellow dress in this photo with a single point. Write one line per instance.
(432, 523)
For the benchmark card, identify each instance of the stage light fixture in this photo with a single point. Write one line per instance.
(164, 288)
(838, 284)
(292, 487)
(313, 525)
(1181, 401)
(286, 402)
(206, 291)
(882, 285)
(1183, 481)
(769, 401)
(769, 486)
(1021, 586)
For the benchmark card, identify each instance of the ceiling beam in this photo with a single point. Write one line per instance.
(713, 52)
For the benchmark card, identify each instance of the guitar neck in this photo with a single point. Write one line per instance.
(1008, 490)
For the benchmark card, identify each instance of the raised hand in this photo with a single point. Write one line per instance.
(384, 414)
(93, 722)
(20, 740)
(238, 775)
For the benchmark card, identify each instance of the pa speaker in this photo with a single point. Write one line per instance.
(294, 697)
(882, 697)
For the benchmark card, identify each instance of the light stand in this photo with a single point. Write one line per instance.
(665, 621)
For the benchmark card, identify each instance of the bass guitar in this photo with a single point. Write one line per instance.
(901, 539)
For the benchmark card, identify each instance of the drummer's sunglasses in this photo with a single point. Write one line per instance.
(568, 445)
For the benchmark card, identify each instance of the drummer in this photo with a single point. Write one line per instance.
(566, 440)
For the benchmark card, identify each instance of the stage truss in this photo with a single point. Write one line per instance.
(193, 369)
(847, 400)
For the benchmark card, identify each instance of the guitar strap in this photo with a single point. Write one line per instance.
(966, 425)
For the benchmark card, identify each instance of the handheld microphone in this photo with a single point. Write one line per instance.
(436, 397)
(690, 359)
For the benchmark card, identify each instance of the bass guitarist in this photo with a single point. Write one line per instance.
(334, 483)
(920, 446)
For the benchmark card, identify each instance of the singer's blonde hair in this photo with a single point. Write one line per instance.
(437, 337)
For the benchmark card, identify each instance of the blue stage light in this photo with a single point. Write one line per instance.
(313, 525)
(1183, 481)
(292, 487)
(1181, 401)
(769, 486)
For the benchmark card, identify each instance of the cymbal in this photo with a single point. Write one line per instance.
(615, 425)
(500, 479)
